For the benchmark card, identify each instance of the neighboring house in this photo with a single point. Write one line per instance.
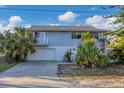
(54, 41)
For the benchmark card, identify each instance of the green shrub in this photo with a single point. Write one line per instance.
(103, 60)
(88, 54)
(17, 45)
(117, 53)
(67, 56)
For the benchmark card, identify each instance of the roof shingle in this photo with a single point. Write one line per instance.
(45, 28)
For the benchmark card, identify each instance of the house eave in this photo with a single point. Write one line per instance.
(41, 28)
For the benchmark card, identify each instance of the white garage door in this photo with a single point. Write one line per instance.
(43, 54)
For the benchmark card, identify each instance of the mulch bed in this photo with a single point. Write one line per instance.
(74, 70)
(109, 77)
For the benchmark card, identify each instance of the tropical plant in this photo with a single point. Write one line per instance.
(88, 54)
(1, 43)
(67, 56)
(17, 45)
(103, 60)
(117, 53)
(117, 44)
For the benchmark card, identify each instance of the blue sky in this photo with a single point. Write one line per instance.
(47, 18)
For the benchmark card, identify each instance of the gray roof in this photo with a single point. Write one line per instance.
(45, 28)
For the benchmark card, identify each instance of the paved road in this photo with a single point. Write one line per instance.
(33, 74)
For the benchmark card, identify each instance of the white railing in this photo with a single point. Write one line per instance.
(42, 41)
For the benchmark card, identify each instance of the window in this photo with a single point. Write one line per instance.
(37, 34)
(76, 35)
(95, 35)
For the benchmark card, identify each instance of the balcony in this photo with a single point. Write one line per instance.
(42, 41)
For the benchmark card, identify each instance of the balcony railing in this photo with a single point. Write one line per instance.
(42, 41)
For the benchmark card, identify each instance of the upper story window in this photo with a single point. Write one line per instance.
(76, 35)
(96, 35)
(37, 34)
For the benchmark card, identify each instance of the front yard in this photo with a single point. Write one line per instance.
(4, 67)
(97, 81)
(74, 70)
(112, 76)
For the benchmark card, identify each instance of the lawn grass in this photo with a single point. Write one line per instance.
(4, 67)
(90, 73)
(93, 73)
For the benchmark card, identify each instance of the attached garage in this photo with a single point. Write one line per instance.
(43, 54)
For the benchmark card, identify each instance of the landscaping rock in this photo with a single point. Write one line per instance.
(66, 69)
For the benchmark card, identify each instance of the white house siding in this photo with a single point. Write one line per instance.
(60, 51)
(62, 39)
(58, 44)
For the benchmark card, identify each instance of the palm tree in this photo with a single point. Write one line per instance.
(18, 44)
(88, 54)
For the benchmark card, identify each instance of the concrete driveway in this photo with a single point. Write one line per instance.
(33, 74)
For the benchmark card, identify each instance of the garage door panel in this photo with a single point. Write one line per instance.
(44, 54)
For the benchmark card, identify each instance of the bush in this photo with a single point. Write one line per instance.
(103, 61)
(67, 56)
(117, 55)
(17, 45)
(88, 54)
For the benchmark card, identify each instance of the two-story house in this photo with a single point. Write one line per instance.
(54, 41)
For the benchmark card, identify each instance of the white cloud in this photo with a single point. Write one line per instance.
(55, 24)
(68, 17)
(2, 28)
(12, 22)
(99, 21)
(15, 20)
